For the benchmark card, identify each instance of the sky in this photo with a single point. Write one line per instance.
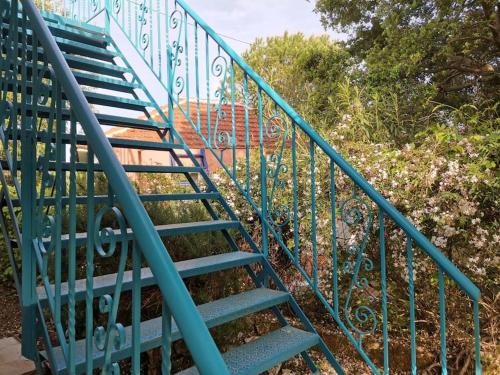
(246, 20)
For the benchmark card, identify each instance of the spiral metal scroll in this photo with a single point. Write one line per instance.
(220, 70)
(277, 130)
(117, 6)
(95, 5)
(176, 25)
(105, 242)
(143, 35)
(357, 212)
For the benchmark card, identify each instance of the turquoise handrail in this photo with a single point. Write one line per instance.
(194, 331)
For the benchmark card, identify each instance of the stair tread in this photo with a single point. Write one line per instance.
(115, 142)
(118, 121)
(82, 199)
(78, 35)
(95, 66)
(213, 313)
(116, 101)
(188, 268)
(165, 230)
(73, 23)
(265, 352)
(102, 82)
(92, 80)
(106, 119)
(130, 168)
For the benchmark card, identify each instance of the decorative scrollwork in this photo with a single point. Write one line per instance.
(112, 338)
(179, 85)
(107, 235)
(219, 69)
(117, 6)
(95, 5)
(44, 89)
(143, 35)
(176, 22)
(357, 214)
(46, 232)
(276, 128)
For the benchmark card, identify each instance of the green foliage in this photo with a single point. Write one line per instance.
(415, 47)
(304, 70)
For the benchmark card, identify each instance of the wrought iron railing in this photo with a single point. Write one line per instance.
(371, 247)
(44, 115)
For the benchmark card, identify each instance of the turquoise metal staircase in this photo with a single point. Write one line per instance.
(63, 79)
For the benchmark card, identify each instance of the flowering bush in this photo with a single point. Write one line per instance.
(446, 183)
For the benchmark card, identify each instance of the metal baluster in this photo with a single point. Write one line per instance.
(72, 248)
(197, 76)
(312, 148)
(442, 321)
(383, 285)
(233, 119)
(151, 41)
(477, 338)
(166, 340)
(411, 291)
(15, 91)
(247, 133)
(333, 207)
(60, 129)
(296, 251)
(186, 67)
(136, 309)
(158, 38)
(28, 188)
(263, 176)
(207, 57)
(89, 303)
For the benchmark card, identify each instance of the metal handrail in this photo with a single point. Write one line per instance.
(194, 331)
(448, 267)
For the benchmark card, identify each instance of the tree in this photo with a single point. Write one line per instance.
(448, 50)
(306, 71)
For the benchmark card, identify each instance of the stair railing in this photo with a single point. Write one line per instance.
(371, 245)
(44, 116)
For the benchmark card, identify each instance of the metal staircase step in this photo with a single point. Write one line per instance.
(130, 168)
(144, 198)
(77, 48)
(65, 32)
(116, 102)
(213, 313)
(189, 268)
(265, 352)
(104, 119)
(115, 142)
(126, 122)
(72, 23)
(94, 98)
(164, 230)
(80, 62)
(83, 63)
(88, 79)
(95, 66)
(102, 82)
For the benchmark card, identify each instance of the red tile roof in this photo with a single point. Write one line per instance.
(189, 135)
